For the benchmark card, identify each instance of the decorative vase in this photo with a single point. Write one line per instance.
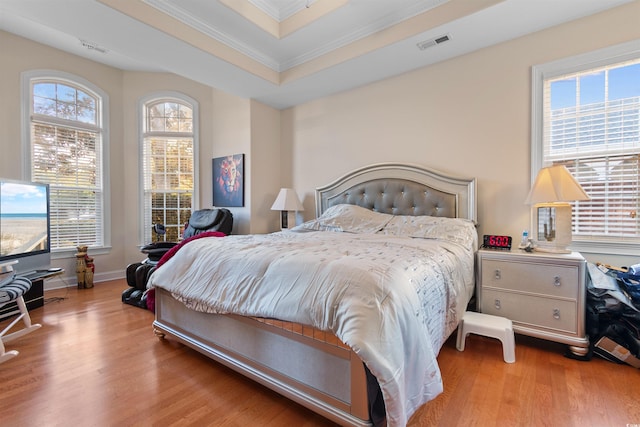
(81, 266)
(88, 273)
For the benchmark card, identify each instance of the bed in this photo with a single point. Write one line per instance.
(366, 281)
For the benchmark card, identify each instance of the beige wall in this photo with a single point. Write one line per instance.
(230, 120)
(135, 86)
(266, 167)
(227, 125)
(20, 55)
(468, 116)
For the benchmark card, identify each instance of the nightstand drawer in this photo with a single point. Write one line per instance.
(560, 315)
(546, 279)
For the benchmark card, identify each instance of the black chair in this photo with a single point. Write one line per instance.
(138, 273)
(220, 219)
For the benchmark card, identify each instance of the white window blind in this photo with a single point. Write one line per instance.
(591, 124)
(66, 150)
(168, 167)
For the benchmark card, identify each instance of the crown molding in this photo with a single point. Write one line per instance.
(283, 12)
(362, 32)
(173, 9)
(181, 15)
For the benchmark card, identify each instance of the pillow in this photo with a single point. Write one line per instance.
(457, 230)
(347, 218)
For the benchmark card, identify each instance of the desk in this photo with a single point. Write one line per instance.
(34, 297)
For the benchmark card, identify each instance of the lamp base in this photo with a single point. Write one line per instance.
(552, 228)
(287, 220)
(284, 220)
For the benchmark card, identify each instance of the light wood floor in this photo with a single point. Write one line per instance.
(96, 362)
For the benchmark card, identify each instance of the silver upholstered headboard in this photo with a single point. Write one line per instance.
(401, 189)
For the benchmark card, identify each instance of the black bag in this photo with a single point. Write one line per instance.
(612, 311)
(631, 284)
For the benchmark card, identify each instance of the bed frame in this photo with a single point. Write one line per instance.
(317, 372)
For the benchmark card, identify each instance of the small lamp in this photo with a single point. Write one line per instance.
(553, 189)
(287, 203)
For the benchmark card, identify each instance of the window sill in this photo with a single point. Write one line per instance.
(71, 253)
(606, 247)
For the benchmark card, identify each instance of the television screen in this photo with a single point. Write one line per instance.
(24, 219)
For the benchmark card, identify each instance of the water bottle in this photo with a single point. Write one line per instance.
(525, 239)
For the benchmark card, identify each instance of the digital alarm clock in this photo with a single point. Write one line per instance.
(491, 241)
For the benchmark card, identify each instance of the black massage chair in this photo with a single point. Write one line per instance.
(138, 273)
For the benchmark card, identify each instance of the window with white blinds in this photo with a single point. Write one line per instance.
(168, 161)
(591, 124)
(66, 139)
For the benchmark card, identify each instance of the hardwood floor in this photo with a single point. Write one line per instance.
(96, 362)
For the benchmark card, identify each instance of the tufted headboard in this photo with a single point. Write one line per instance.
(401, 189)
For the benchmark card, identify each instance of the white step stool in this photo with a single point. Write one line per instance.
(488, 326)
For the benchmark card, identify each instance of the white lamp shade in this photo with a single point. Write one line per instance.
(287, 200)
(555, 184)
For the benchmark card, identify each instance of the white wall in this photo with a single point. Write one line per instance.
(468, 116)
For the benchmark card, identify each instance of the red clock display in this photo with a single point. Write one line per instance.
(492, 241)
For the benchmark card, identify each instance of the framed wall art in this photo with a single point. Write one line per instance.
(228, 181)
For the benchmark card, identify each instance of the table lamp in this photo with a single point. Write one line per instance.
(553, 189)
(287, 203)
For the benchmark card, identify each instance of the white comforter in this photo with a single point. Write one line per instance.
(394, 300)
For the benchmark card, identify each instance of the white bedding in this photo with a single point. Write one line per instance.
(393, 300)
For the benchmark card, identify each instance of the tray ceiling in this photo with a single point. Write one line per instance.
(282, 52)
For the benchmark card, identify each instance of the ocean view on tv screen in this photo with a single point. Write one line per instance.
(23, 218)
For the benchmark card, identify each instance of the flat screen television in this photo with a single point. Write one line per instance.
(25, 225)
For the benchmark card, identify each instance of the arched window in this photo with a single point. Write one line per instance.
(168, 164)
(66, 149)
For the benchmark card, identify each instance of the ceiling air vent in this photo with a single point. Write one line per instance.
(92, 46)
(433, 42)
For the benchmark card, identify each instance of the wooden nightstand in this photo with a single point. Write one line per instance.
(542, 293)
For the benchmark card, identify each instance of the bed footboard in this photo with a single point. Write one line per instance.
(327, 379)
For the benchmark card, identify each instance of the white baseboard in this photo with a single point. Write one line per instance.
(66, 280)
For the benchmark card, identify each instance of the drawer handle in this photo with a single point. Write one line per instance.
(556, 281)
(496, 303)
(556, 313)
(498, 274)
